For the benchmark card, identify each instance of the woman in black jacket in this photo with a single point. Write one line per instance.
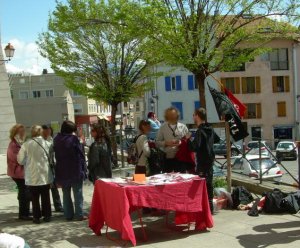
(100, 154)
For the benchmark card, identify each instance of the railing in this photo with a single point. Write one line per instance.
(259, 171)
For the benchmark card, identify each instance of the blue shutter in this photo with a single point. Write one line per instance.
(178, 83)
(168, 83)
(197, 104)
(191, 84)
(179, 106)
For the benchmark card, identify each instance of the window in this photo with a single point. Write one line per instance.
(173, 83)
(179, 107)
(251, 85)
(77, 108)
(36, 94)
(24, 95)
(192, 84)
(137, 106)
(281, 109)
(253, 111)
(281, 84)
(125, 104)
(49, 93)
(232, 84)
(197, 104)
(278, 59)
(22, 81)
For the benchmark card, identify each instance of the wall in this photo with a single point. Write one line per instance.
(7, 115)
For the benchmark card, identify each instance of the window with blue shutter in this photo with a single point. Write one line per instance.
(197, 104)
(179, 106)
(178, 83)
(168, 83)
(191, 82)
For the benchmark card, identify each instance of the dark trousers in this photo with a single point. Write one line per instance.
(173, 164)
(208, 175)
(42, 192)
(23, 197)
(140, 169)
(56, 197)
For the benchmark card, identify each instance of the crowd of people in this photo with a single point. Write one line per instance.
(42, 163)
(179, 146)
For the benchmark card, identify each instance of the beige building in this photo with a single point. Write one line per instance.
(44, 99)
(268, 87)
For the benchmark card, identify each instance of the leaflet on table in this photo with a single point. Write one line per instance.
(159, 179)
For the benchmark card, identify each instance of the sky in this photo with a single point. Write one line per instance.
(20, 23)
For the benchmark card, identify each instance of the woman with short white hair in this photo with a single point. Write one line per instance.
(36, 156)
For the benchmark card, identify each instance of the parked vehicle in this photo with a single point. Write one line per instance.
(253, 148)
(220, 149)
(218, 172)
(286, 150)
(249, 166)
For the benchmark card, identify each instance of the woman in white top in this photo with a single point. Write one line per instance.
(169, 138)
(36, 155)
(142, 147)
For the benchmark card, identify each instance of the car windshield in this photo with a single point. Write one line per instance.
(285, 146)
(253, 145)
(265, 163)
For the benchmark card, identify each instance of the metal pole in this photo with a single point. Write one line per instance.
(260, 162)
(228, 147)
(298, 148)
(121, 137)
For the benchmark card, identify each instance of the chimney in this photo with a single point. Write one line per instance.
(45, 71)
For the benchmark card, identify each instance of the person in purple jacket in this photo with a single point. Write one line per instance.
(70, 171)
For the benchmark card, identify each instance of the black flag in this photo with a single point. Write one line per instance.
(225, 108)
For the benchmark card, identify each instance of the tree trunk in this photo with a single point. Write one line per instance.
(200, 81)
(113, 123)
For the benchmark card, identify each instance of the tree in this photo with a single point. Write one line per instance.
(206, 36)
(94, 45)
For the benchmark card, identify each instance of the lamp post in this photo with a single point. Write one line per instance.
(9, 52)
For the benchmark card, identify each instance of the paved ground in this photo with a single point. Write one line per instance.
(232, 228)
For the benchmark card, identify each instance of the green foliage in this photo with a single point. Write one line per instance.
(219, 182)
(96, 47)
(204, 34)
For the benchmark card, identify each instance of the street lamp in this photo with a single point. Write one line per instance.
(9, 52)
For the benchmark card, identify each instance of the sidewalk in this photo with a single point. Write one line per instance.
(232, 228)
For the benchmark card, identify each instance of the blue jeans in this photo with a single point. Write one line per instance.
(78, 201)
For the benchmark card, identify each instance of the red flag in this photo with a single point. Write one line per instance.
(239, 106)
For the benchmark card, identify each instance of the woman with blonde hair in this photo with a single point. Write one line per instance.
(36, 156)
(16, 171)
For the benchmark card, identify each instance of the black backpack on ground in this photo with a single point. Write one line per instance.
(156, 161)
(240, 195)
(291, 203)
(273, 201)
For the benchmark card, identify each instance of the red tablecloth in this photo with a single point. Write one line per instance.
(111, 205)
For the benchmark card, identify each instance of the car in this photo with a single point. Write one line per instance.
(217, 171)
(286, 150)
(220, 149)
(252, 148)
(250, 166)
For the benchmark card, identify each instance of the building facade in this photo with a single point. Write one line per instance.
(44, 99)
(268, 86)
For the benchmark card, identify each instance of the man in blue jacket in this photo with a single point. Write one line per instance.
(155, 125)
